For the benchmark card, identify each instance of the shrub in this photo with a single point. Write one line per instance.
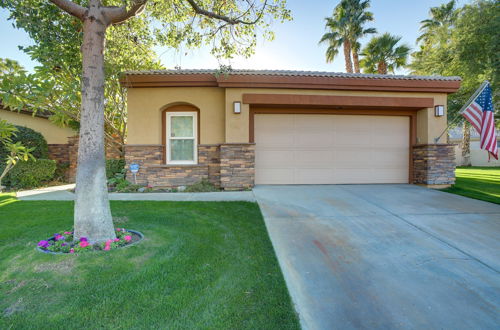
(30, 139)
(203, 186)
(114, 166)
(61, 173)
(31, 174)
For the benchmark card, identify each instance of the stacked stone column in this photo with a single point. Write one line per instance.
(434, 164)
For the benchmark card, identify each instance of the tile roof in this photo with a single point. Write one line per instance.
(291, 73)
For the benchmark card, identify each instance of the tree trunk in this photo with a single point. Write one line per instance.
(355, 59)
(466, 144)
(347, 56)
(382, 67)
(92, 211)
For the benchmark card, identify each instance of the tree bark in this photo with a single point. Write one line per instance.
(92, 210)
(347, 56)
(355, 59)
(466, 144)
(382, 67)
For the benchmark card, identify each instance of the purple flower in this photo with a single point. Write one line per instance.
(44, 244)
(83, 239)
(59, 237)
(64, 244)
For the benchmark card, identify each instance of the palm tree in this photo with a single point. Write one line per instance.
(358, 17)
(345, 28)
(443, 16)
(381, 54)
(335, 38)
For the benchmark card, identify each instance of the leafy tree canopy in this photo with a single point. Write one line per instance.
(468, 45)
(55, 84)
(382, 54)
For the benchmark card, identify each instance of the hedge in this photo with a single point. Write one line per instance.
(30, 174)
(114, 166)
(30, 139)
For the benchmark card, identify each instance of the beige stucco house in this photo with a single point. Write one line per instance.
(477, 156)
(38, 122)
(249, 127)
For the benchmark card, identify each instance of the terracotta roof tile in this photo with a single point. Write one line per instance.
(291, 73)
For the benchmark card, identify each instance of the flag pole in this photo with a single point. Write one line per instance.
(469, 101)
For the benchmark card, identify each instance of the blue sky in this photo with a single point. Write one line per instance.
(296, 44)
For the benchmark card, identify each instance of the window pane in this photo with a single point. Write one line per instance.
(181, 126)
(182, 150)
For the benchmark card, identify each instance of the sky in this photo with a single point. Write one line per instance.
(294, 48)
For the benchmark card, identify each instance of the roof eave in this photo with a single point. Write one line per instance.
(132, 80)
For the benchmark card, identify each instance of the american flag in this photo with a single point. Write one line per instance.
(480, 114)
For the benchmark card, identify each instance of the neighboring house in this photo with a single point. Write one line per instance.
(478, 156)
(61, 141)
(38, 122)
(249, 127)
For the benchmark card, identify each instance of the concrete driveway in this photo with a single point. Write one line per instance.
(386, 256)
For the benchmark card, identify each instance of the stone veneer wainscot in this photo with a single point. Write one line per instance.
(229, 166)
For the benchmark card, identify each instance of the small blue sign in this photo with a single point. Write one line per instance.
(134, 168)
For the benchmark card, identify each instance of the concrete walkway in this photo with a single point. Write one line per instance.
(62, 193)
(56, 193)
(386, 256)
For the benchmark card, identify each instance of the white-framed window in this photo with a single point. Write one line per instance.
(182, 137)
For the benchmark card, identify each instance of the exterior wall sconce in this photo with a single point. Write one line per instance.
(237, 107)
(439, 110)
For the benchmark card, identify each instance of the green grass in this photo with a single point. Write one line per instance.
(202, 265)
(478, 182)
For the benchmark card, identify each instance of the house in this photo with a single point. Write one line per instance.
(246, 127)
(478, 156)
(38, 121)
(62, 141)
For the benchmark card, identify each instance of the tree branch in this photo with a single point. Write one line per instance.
(116, 15)
(70, 7)
(233, 21)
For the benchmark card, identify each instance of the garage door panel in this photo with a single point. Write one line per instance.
(347, 156)
(313, 175)
(274, 175)
(279, 139)
(331, 149)
(313, 123)
(316, 139)
(275, 158)
(390, 140)
(352, 139)
(313, 158)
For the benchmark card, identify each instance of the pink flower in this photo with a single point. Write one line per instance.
(128, 238)
(84, 244)
(68, 232)
(107, 247)
(116, 240)
(118, 229)
(59, 237)
(71, 250)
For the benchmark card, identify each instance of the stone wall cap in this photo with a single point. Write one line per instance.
(237, 144)
(433, 144)
(176, 165)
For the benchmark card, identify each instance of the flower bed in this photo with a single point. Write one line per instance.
(65, 243)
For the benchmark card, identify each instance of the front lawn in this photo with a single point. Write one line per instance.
(477, 182)
(202, 265)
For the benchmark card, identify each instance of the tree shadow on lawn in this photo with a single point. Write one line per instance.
(201, 265)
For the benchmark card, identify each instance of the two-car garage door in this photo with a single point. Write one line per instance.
(331, 149)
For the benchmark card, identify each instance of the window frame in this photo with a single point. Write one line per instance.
(168, 116)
